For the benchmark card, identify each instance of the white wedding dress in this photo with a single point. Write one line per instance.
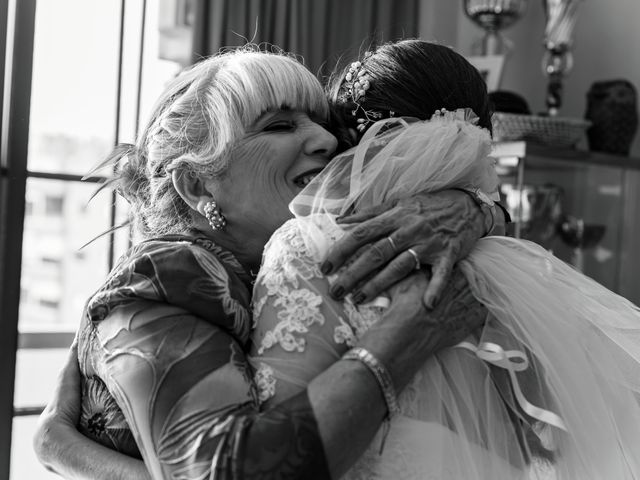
(548, 389)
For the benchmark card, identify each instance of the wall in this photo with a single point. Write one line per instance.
(439, 21)
(607, 40)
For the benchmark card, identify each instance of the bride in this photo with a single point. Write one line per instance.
(548, 388)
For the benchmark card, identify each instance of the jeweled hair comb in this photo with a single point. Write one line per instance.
(353, 90)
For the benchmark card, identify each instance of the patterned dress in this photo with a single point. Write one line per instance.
(165, 377)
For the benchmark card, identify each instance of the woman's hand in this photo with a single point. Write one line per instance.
(439, 228)
(64, 450)
(413, 333)
(62, 412)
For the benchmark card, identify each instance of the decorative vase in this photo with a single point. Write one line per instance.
(612, 108)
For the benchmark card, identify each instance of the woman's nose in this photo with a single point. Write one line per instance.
(319, 141)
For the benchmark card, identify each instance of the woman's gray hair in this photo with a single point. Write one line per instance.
(197, 121)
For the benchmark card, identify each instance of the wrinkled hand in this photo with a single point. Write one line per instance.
(441, 228)
(456, 315)
(408, 334)
(63, 410)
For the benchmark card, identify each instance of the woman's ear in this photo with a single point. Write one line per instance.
(191, 188)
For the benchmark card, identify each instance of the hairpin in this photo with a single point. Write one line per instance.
(461, 114)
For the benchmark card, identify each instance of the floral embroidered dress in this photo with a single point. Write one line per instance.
(165, 377)
(548, 389)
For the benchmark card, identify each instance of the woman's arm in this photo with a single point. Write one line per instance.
(211, 423)
(64, 450)
(406, 337)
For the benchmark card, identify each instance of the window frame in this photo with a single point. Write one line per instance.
(16, 70)
(16, 101)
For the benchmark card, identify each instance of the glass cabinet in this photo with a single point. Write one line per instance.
(583, 206)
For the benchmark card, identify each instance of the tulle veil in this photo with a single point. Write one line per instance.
(550, 388)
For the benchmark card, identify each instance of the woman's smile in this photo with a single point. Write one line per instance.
(305, 178)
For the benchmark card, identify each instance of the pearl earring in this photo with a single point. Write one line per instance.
(214, 216)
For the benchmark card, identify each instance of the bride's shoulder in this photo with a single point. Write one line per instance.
(286, 237)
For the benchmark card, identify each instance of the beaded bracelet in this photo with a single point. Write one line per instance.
(384, 381)
(380, 373)
(483, 201)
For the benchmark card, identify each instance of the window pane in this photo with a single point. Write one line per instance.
(58, 275)
(36, 374)
(24, 464)
(73, 99)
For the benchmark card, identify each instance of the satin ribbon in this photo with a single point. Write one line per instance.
(513, 361)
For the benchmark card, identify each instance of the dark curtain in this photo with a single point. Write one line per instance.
(321, 31)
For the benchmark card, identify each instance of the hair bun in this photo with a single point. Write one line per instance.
(509, 102)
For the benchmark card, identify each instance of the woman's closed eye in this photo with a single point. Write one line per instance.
(279, 126)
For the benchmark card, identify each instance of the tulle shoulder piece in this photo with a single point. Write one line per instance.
(401, 156)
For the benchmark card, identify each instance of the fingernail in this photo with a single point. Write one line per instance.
(432, 302)
(326, 267)
(359, 297)
(337, 292)
(428, 303)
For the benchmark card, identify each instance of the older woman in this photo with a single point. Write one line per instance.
(161, 345)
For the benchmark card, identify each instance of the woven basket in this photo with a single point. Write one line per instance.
(552, 131)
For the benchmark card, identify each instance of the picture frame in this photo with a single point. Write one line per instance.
(490, 67)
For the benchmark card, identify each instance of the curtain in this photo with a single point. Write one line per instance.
(320, 31)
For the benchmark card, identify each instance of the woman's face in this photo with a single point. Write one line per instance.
(279, 154)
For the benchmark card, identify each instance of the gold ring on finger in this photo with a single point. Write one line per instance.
(393, 244)
(415, 257)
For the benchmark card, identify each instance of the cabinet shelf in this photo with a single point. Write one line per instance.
(549, 155)
(546, 188)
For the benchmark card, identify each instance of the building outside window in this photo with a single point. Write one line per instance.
(97, 68)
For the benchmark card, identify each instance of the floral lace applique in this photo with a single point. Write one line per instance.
(300, 310)
(343, 333)
(292, 262)
(275, 282)
(360, 317)
(265, 382)
(281, 274)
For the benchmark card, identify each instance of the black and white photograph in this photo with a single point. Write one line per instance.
(319, 240)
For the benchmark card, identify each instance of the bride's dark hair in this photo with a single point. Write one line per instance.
(412, 78)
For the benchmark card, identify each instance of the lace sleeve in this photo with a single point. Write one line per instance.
(299, 331)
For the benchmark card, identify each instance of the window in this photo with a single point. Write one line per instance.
(51, 261)
(49, 303)
(84, 74)
(53, 205)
